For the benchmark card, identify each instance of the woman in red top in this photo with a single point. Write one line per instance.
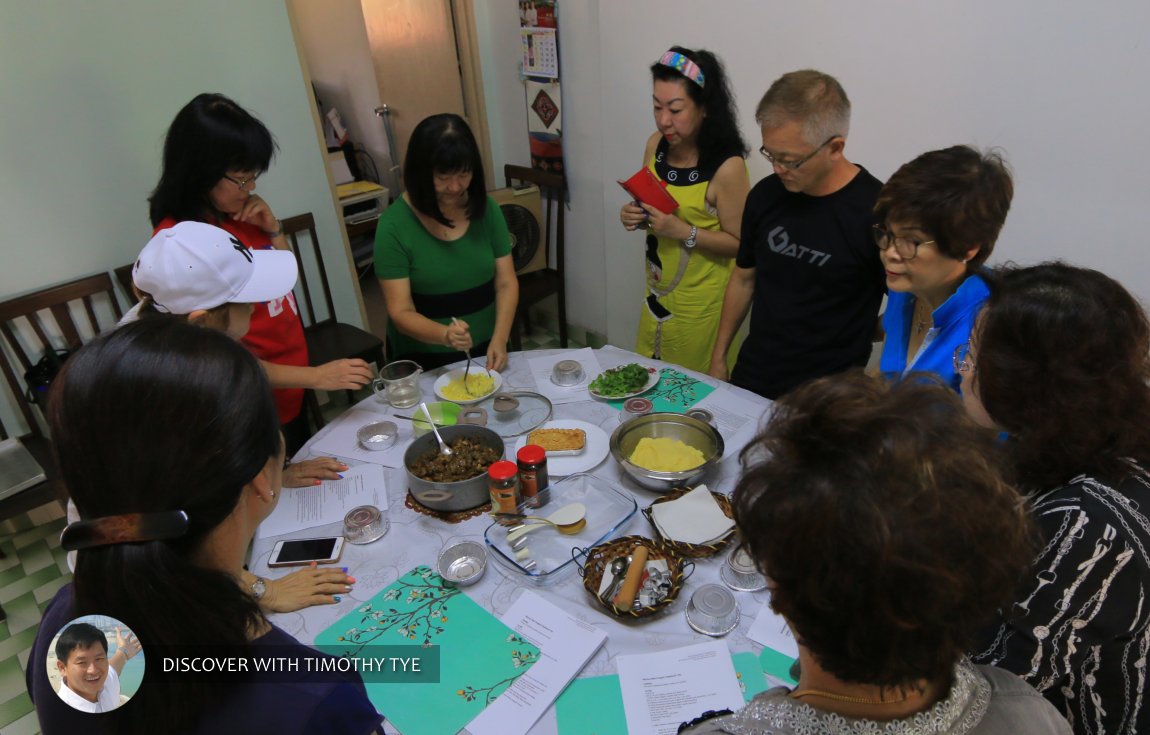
(213, 154)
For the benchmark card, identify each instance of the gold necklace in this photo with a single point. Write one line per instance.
(800, 693)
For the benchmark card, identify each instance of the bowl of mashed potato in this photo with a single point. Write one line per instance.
(450, 385)
(663, 451)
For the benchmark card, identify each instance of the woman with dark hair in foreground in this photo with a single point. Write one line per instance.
(176, 423)
(878, 514)
(1059, 360)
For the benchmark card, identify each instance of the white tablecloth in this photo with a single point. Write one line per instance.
(417, 539)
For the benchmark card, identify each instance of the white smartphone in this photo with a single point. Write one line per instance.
(301, 552)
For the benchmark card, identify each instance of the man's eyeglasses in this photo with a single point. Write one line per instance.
(962, 359)
(907, 248)
(242, 183)
(794, 165)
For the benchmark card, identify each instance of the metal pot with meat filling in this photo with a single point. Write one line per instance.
(458, 482)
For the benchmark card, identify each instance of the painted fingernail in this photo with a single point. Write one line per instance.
(338, 598)
(351, 580)
(347, 588)
(344, 570)
(317, 482)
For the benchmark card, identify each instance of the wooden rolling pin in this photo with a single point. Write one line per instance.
(625, 597)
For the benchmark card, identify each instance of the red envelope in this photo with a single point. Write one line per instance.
(648, 188)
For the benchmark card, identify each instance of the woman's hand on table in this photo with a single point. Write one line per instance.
(458, 335)
(313, 585)
(632, 216)
(342, 375)
(311, 472)
(496, 357)
(667, 225)
(719, 369)
(257, 212)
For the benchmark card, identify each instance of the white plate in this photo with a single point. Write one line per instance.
(598, 444)
(652, 380)
(442, 381)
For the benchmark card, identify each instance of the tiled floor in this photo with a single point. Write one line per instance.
(33, 570)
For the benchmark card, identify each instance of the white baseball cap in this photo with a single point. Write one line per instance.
(194, 266)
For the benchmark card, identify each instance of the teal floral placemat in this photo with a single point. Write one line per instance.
(479, 657)
(675, 392)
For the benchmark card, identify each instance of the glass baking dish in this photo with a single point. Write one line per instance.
(608, 511)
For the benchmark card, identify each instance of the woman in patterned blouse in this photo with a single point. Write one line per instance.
(1060, 360)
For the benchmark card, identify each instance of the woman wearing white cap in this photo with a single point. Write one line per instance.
(204, 274)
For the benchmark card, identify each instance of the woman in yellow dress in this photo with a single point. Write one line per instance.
(699, 152)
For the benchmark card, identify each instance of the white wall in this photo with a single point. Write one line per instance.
(333, 39)
(497, 26)
(1054, 84)
(87, 97)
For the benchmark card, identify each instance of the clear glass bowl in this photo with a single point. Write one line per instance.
(608, 511)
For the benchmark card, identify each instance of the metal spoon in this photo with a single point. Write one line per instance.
(467, 369)
(443, 448)
(617, 568)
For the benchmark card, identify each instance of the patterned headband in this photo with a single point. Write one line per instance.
(684, 66)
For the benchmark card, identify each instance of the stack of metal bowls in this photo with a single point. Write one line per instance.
(690, 431)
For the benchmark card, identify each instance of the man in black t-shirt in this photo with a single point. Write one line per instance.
(807, 268)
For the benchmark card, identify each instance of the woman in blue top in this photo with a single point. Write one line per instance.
(938, 218)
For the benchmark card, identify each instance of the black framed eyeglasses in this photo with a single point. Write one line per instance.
(906, 247)
(795, 165)
(963, 363)
(242, 183)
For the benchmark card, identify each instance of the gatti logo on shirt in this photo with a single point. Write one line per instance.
(276, 306)
(779, 242)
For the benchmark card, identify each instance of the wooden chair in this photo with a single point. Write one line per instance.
(124, 278)
(538, 285)
(327, 338)
(29, 326)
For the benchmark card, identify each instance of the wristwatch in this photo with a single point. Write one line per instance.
(692, 238)
(259, 587)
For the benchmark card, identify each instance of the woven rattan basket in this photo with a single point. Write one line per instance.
(695, 551)
(601, 556)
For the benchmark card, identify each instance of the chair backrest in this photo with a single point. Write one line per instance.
(32, 324)
(124, 278)
(293, 227)
(553, 190)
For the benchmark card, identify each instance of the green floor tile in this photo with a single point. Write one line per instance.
(45, 592)
(11, 679)
(13, 526)
(23, 613)
(32, 535)
(14, 709)
(36, 556)
(17, 642)
(29, 724)
(27, 584)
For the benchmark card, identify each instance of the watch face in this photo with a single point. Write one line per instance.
(259, 588)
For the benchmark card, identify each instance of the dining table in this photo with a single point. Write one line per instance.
(415, 538)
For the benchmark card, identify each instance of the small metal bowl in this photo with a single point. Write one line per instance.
(463, 563)
(378, 436)
(567, 373)
(364, 524)
(740, 573)
(713, 610)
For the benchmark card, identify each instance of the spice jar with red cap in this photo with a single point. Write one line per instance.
(534, 483)
(503, 484)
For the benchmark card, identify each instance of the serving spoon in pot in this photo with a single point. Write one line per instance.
(443, 448)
